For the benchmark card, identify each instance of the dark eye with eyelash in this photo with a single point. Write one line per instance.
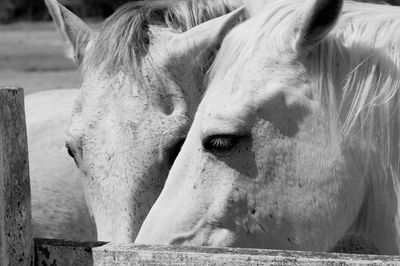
(71, 153)
(69, 150)
(220, 143)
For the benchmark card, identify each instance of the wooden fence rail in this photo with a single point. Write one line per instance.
(17, 246)
(56, 252)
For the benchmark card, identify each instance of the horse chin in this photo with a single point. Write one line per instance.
(222, 238)
(217, 238)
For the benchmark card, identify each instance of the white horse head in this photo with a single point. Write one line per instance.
(296, 142)
(143, 74)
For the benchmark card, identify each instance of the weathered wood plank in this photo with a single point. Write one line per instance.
(125, 254)
(58, 252)
(16, 244)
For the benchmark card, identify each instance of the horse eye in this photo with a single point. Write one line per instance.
(70, 152)
(174, 151)
(220, 143)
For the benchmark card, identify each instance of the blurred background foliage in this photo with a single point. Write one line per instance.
(33, 10)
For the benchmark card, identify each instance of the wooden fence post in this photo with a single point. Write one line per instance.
(16, 243)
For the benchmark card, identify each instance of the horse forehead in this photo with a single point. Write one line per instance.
(159, 38)
(257, 83)
(103, 95)
(251, 70)
(161, 33)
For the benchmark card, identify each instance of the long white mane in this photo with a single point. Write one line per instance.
(363, 102)
(124, 38)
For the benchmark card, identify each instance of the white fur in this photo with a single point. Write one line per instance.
(137, 101)
(320, 154)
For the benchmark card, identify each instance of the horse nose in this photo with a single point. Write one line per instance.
(150, 238)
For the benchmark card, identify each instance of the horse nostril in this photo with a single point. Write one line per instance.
(174, 151)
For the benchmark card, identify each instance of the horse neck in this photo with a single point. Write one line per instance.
(358, 83)
(383, 198)
(379, 217)
(371, 141)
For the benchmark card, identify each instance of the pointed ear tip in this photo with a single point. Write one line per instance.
(240, 10)
(237, 13)
(49, 2)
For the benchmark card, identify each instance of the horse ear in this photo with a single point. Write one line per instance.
(206, 36)
(76, 33)
(317, 20)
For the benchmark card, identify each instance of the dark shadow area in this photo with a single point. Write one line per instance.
(35, 10)
(60, 252)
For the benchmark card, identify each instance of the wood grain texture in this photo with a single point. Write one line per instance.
(63, 253)
(125, 254)
(16, 243)
(59, 252)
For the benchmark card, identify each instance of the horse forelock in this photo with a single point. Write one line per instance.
(366, 101)
(125, 37)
